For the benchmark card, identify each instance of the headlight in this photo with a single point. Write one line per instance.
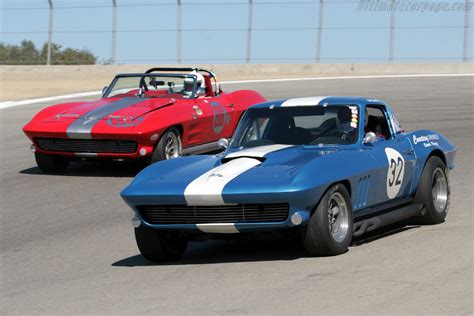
(136, 221)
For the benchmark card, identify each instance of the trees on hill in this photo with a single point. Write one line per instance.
(27, 54)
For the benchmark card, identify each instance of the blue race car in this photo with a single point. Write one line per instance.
(332, 167)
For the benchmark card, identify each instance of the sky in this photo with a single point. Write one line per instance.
(284, 31)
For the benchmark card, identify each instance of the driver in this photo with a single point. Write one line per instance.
(200, 84)
(371, 129)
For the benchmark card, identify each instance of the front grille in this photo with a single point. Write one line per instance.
(87, 145)
(241, 213)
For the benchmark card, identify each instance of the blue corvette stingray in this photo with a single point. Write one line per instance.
(332, 167)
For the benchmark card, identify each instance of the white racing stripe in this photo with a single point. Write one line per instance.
(308, 101)
(257, 151)
(9, 104)
(218, 228)
(207, 189)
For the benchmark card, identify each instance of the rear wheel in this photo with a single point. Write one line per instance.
(160, 246)
(51, 163)
(168, 147)
(433, 191)
(329, 231)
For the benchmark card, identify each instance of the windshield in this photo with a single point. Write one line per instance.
(300, 125)
(152, 86)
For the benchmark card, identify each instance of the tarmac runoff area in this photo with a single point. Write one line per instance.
(67, 244)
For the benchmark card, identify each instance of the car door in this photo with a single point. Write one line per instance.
(217, 115)
(395, 159)
(189, 114)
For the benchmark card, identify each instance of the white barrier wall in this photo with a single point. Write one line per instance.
(19, 82)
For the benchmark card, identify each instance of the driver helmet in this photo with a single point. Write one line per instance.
(343, 120)
(200, 83)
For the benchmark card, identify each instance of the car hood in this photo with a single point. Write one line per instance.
(110, 108)
(263, 161)
(206, 180)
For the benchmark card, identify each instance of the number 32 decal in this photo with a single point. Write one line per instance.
(396, 168)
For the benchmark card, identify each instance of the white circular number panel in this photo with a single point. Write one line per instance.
(396, 169)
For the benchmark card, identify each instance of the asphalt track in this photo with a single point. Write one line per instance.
(67, 244)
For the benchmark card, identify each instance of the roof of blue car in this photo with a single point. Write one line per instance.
(317, 100)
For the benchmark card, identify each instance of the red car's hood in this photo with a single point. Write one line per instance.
(81, 120)
(114, 108)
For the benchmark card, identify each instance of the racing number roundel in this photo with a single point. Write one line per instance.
(396, 169)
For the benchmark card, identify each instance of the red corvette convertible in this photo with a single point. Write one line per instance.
(160, 114)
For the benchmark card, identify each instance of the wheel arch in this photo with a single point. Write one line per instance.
(179, 127)
(422, 165)
(437, 153)
(347, 185)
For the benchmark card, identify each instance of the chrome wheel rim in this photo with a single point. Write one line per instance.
(173, 146)
(439, 190)
(338, 217)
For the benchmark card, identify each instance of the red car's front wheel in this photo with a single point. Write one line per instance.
(168, 147)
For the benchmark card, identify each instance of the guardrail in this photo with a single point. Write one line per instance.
(248, 27)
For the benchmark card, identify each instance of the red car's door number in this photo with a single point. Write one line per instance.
(220, 117)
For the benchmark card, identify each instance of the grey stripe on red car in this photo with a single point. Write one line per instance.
(82, 127)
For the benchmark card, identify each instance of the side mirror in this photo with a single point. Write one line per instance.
(223, 143)
(104, 89)
(370, 138)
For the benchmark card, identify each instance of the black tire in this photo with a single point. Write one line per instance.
(160, 246)
(51, 163)
(431, 183)
(159, 153)
(317, 236)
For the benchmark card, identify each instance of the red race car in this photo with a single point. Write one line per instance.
(160, 114)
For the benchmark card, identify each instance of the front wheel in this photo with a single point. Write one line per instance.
(329, 231)
(51, 163)
(160, 246)
(168, 147)
(433, 191)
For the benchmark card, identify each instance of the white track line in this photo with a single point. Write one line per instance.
(9, 104)
(348, 77)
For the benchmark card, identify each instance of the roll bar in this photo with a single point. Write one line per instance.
(208, 72)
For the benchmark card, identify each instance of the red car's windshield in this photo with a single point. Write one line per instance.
(151, 86)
